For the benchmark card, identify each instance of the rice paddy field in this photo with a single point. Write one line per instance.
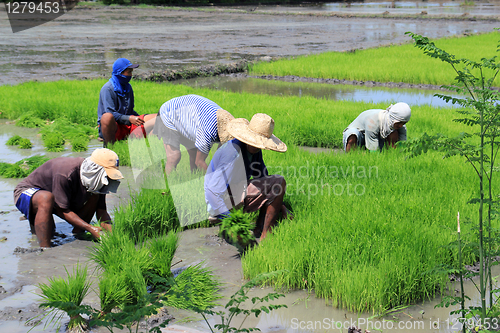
(370, 230)
(393, 63)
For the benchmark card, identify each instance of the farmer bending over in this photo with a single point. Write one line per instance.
(373, 128)
(237, 175)
(195, 122)
(116, 117)
(73, 189)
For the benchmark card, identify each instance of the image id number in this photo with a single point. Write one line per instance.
(24, 7)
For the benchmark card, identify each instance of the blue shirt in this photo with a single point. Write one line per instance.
(231, 168)
(194, 117)
(121, 107)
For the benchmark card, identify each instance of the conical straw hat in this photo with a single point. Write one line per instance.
(257, 133)
(223, 119)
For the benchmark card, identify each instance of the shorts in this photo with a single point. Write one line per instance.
(123, 131)
(24, 201)
(262, 191)
(359, 135)
(171, 137)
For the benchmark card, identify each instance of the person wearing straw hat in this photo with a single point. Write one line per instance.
(74, 189)
(195, 122)
(374, 128)
(116, 117)
(237, 175)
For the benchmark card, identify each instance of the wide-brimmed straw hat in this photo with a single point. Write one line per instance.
(257, 133)
(223, 119)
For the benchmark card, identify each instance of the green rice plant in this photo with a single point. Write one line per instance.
(53, 141)
(25, 144)
(149, 213)
(368, 228)
(394, 63)
(79, 143)
(113, 292)
(30, 120)
(239, 227)
(14, 140)
(22, 168)
(121, 149)
(22, 142)
(195, 288)
(296, 118)
(66, 295)
(162, 249)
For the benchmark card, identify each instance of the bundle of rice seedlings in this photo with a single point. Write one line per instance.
(66, 295)
(22, 168)
(25, 143)
(14, 140)
(238, 227)
(79, 143)
(162, 251)
(30, 120)
(113, 291)
(195, 288)
(53, 141)
(150, 213)
(117, 251)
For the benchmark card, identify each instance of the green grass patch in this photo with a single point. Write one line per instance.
(299, 120)
(395, 63)
(369, 229)
(22, 168)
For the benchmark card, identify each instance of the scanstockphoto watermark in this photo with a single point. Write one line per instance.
(368, 324)
(331, 180)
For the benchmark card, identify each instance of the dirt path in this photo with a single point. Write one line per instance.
(86, 41)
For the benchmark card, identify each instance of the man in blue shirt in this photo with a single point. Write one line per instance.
(116, 116)
(237, 175)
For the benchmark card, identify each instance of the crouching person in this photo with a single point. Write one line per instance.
(73, 189)
(237, 175)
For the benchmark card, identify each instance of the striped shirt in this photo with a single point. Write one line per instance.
(194, 117)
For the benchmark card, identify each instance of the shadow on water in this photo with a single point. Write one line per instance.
(319, 90)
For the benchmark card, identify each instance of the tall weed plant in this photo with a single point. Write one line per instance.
(479, 147)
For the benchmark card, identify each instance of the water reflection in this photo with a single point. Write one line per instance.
(320, 90)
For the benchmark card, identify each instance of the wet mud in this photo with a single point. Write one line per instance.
(85, 42)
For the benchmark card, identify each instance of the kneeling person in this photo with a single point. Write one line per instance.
(237, 175)
(71, 188)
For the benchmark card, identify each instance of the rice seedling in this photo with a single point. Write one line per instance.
(14, 140)
(162, 250)
(238, 227)
(395, 63)
(25, 144)
(53, 141)
(149, 213)
(113, 292)
(194, 288)
(66, 296)
(22, 168)
(297, 118)
(370, 227)
(31, 121)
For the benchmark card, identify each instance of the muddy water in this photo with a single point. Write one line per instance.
(85, 42)
(237, 83)
(22, 272)
(432, 7)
